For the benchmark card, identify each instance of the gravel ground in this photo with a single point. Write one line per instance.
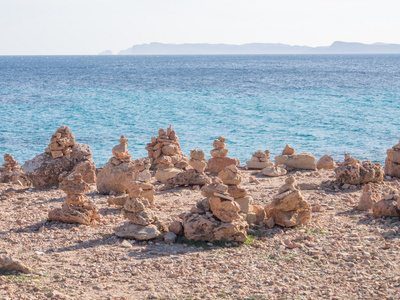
(342, 253)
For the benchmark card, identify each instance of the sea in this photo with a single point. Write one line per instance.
(323, 104)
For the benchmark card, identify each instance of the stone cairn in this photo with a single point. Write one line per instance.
(143, 223)
(61, 158)
(61, 143)
(142, 177)
(11, 172)
(392, 162)
(389, 205)
(288, 208)
(353, 171)
(214, 218)
(76, 208)
(291, 160)
(166, 156)
(194, 175)
(259, 160)
(118, 172)
(219, 161)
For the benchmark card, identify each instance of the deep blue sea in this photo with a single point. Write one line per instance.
(328, 104)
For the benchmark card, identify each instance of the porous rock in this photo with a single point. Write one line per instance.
(302, 161)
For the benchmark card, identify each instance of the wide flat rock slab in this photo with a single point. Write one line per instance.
(138, 232)
(303, 161)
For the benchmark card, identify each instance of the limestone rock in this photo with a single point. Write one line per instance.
(190, 177)
(356, 172)
(8, 264)
(198, 160)
(202, 228)
(288, 208)
(121, 151)
(260, 160)
(12, 173)
(236, 192)
(230, 175)
(165, 174)
(245, 204)
(260, 214)
(176, 227)
(274, 171)
(368, 198)
(392, 162)
(386, 208)
(83, 214)
(44, 171)
(138, 232)
(225, 210)
(304, 161)
(326, 162)
(115, 177)
(217, 164)
(61, 143)
(288, 150)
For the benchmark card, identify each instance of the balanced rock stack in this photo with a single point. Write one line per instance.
(142, 169)
(303, 161)
(288, 208)
(61, 143)
(392, 162)
(260, 160)
(76, 208)
(388, 206)
(118, 172)
(219, 161)
(165, 154)
(194, 175)
(353, 171)
(62, 157)
(10, 172)
(143, 224)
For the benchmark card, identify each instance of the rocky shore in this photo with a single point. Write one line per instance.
(325, 230)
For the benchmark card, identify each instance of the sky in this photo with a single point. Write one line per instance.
(74, 27)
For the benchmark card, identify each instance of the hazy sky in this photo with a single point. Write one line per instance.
(92, 26)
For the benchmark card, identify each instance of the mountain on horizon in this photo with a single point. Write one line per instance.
(259, 48)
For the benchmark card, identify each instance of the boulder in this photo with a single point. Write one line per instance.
(225, 210)
(44, 171)
(326, 162)
(392, 163)
(203, 228)
(189, 177)
(217, 164)
(303, 161)
(165, 174)
(83, 214)
(115, 177)
(359, 172)
(386, 208)
(138, 232)
(230, 175)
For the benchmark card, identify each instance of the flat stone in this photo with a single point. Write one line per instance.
(304, 161)
(138, 232)
(259, 165)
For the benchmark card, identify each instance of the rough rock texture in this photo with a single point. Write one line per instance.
(386, 208)
(44, 170)
(75, 209)
(8, 264)
(144, 224)
(368, 198)
(219, 161)
(392, 162)
(142, 169)
(166, 145)
(12, 173)
(288, 208)
(274, 171)
(189, 177)
(230, 175)
(288, 150)
(198, 160)
(353, 171)
(118, 172)
(326, 162)
(216, 217)
(259, 160)
(303, 161)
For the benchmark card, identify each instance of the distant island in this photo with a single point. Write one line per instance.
(258, 48)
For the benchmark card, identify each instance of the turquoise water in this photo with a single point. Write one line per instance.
(321, 104)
